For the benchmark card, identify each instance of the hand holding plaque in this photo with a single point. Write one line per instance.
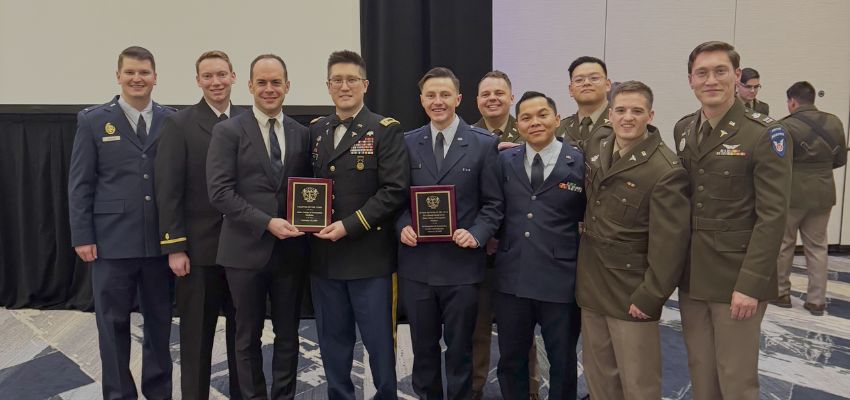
(433, 212)
(308, 203)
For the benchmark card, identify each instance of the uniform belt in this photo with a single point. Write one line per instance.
(708, 224)
(635, 247)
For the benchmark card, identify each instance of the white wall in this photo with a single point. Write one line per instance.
(65, 52)
(785, 40)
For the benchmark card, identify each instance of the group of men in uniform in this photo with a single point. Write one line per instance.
(585, 224)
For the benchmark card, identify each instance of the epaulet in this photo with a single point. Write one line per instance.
(317, 119)
(668, 154)
(762, 119)
(389, 121)
(686, 117)
(95, 107)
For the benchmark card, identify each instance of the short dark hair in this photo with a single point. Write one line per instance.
(801, 91)
(136, 53)
(440, 72)
(715, 45)
(267, 56)
(213, 54)
(633, 87)
(498, 75)
(749, 73)
(346, 57)
(532, 95)
(584, 60)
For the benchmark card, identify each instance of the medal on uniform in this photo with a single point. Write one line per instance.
(360, 164)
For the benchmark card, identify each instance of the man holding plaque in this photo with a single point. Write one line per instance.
(440, 267)
(543, 186)
(250, 158)
(354, 257)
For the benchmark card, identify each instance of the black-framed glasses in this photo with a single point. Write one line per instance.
(752, 88)
(336, 83)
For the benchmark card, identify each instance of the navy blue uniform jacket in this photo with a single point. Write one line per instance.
(111, 183)
(537, 250)
(469, 166)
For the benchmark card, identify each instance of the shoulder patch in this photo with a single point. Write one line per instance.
(777, 140)
(317, 119)
(389, 121)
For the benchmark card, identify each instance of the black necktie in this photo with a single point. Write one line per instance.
(438, 149)
(585, 127)
(537, 172)
(222, 117)
(274, 145)
(498, 133)
(142, 129)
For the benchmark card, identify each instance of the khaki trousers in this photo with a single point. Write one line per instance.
(481, 341)
(723, 354)
(812, 225)
(622, 359)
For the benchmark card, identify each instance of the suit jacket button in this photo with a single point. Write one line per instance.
(593, 219)
(144, 156)
(699, 205)
(332, 168)
(530, 215)
(333, 197)
(528, 234)
(533, 197)
(146, 176)
(597, 202)
(147, 198)
(628, 265)
(700, 188)
(726, 173)
(701, 171)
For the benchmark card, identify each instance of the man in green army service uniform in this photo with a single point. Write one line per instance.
(589, 87)
(819, 147)
(739, 163)
(748, 88)
(494, 100)
(635, 186)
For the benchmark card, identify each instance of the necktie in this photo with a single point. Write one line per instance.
(537, 172)
(438, 149)
(222, 117)
(498, 133)
(142, 129)
(614, 158)
(704, 132)
(274, 150)
(585, 127)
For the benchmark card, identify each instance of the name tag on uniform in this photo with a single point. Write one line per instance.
(111, 138)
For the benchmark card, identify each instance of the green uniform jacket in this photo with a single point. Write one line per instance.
(758, 106)
(571, 127)
(740, 183)
(812, 182)
(620, 263)
(511, 134)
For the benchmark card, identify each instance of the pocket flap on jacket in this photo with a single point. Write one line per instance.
(734, 241)
(626, 261)
(109, 207)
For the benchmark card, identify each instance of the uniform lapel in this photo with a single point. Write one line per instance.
(606, 150)
(426, 151)
(457, 149)
(639, 154)
(518, 164)
(206, 118)
(726, 129)
(252, 129)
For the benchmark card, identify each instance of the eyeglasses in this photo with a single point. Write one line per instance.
(581, 79)
(336, 83)
(752, 88)
(702, 74)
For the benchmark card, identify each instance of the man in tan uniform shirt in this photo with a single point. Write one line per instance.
(589, 87)
(739, 163)
(635, 187)
(819, 147)
(494, 103)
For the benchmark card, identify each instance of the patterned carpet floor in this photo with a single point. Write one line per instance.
(53, 354)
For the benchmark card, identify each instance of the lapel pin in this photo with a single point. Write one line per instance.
(632, 158)
(731, 123)
(359, 125)
(353, 134)
(109, 128)
(643, 153)
(723, 133)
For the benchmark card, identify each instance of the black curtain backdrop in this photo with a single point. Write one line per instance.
(403, 39)
(38, 267)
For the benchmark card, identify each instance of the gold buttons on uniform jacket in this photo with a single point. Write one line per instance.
(332, 168)
(597, 202)
(726, 173)
(699, 205)
(701, 171)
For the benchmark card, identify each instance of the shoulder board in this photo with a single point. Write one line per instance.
(668, 154)
(686, 117)
(762, 119)
(389, 121)
(96, 107)
(317, 119)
